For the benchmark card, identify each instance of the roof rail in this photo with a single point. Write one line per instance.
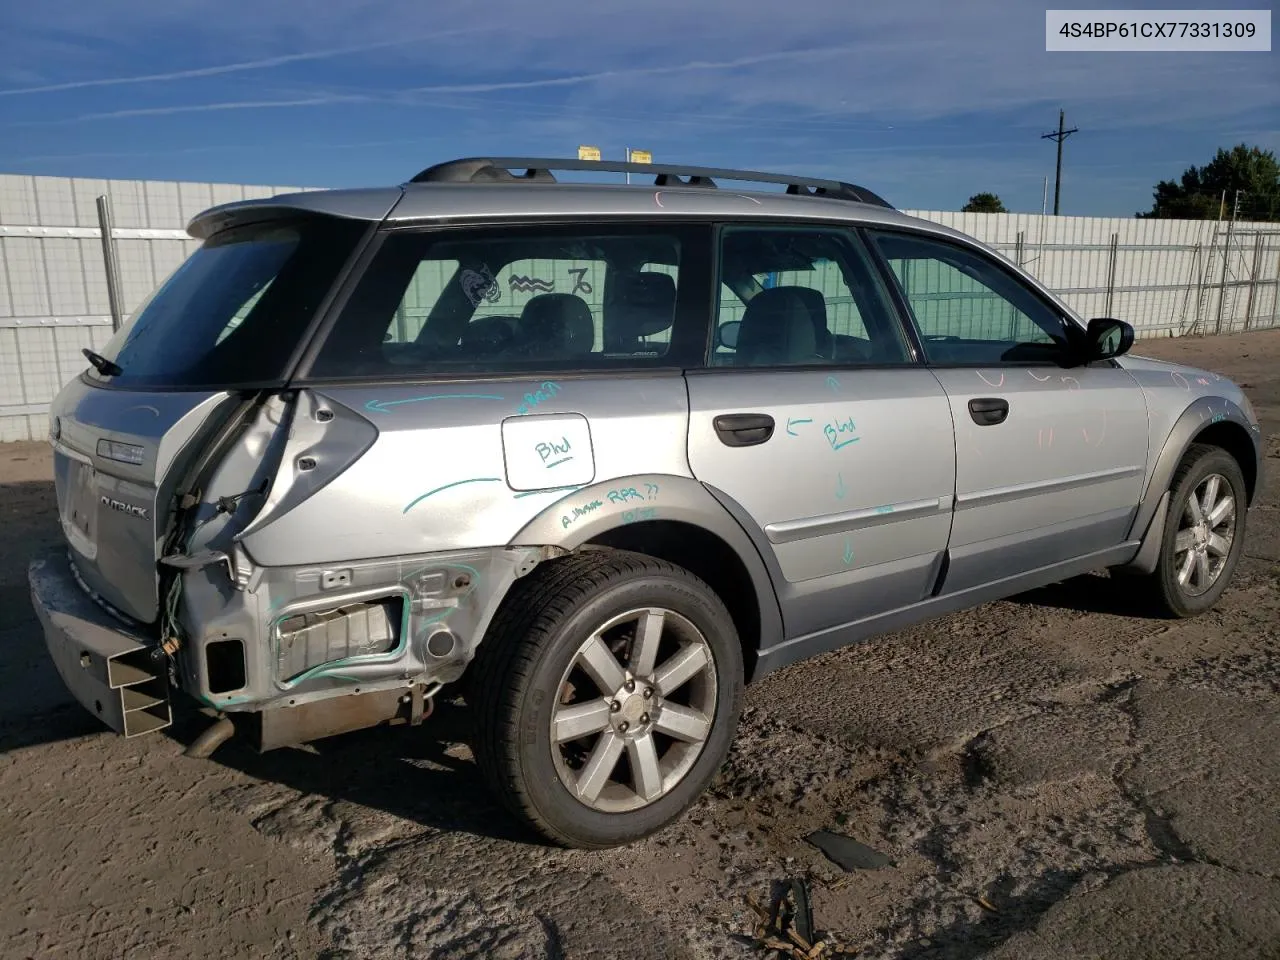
(538, 170)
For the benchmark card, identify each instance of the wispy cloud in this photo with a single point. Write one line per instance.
(265, 63)
(691, 67)
(322, 101)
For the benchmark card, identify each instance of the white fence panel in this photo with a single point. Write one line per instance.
(53, 285)
(1166, 277)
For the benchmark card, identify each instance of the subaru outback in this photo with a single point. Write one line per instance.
(598, 454)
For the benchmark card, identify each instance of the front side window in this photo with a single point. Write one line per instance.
(968, 309)
(800, 296)
(509, 300)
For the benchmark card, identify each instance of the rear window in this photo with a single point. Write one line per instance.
(233, 313)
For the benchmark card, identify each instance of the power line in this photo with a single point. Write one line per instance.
(1059, 136)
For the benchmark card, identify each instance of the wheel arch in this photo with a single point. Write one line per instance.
(1208, 420)
(674, 519)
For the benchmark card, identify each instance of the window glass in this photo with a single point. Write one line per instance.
(235, 311)
(494, 301)
(967, 308)
(801, 296)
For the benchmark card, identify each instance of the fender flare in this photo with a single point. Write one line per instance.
(590, 511)
(1200, 414)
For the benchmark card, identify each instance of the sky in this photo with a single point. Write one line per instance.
(926, 102)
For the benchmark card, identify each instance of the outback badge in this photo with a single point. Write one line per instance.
(131, 509)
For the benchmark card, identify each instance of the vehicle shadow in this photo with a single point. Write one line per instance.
(422, 774)
(35, 707)
(1093, 593)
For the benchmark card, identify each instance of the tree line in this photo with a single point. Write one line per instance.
(1244, 179)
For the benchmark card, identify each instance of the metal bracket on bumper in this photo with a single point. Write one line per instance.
(109, 670)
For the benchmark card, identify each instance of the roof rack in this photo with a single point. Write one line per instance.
(538, 170)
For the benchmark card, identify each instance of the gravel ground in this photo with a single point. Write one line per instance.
(1050, 777)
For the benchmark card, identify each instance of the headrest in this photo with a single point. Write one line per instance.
(557, 323)
(639, 304)
(777, 328)
(816, 304)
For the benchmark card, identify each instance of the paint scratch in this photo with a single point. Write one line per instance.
(999, 383)
(457, 483)
(534, 493)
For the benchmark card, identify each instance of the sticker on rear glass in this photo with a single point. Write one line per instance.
(479, 286)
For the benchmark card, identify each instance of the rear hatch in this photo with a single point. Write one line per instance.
(225, 326)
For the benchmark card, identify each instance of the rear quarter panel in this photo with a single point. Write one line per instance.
(443, 475)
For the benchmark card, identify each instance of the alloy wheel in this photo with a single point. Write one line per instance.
(633, 710)
(1206, 530)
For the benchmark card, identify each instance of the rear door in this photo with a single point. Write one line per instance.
(1050, 458)
(225, 325)
(817, 426)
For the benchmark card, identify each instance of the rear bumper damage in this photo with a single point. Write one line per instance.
(290, 636)
(108, 669)
(310, 651)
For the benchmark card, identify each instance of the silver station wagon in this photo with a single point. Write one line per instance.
(599, 454)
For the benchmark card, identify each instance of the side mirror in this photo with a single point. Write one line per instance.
(727, 334)
(1107, 338)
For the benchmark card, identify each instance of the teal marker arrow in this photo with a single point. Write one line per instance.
(833, 383)
(791, 423)
(383, 406)
(848, 552)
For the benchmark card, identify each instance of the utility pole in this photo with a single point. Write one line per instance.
(1061, 135)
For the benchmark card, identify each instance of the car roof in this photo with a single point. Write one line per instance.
(456, 202)
(489, 188)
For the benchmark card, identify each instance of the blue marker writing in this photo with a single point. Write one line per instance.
(382, 406)
(840, 433)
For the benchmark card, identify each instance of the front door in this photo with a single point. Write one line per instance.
(1050, 459)
(815, 423)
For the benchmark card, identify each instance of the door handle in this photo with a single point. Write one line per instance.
(988, 411)
(743, 429)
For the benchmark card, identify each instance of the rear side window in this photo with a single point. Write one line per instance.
(509, 299)
(805, 296)
(234, 312)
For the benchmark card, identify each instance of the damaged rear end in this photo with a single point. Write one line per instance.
(170, 446)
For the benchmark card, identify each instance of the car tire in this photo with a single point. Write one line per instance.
(541, 676)
(1198, 554)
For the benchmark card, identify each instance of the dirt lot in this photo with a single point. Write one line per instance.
(1049, 776)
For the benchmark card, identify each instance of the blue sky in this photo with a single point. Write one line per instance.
(924, 101)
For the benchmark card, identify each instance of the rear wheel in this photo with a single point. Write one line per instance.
(1203, 532)
(606, 695)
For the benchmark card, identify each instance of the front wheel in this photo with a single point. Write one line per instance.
(606, 696)
(1203, 533)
